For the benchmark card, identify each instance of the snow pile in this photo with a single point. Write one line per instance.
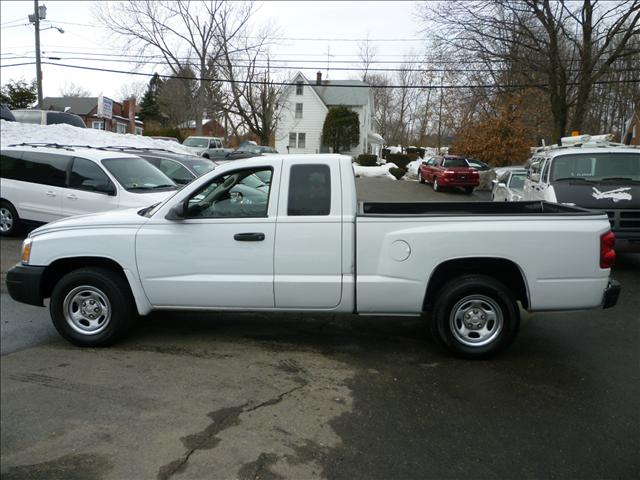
(63, 134)
(374, 172)
(412, 169)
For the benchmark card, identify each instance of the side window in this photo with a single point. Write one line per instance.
(309, 190)
(545, 170)
(299, 88)
(439, 161)
(298, 110)
(175, 171)
(44, 168)
(10, 165)
(240, 194)
(86, 175)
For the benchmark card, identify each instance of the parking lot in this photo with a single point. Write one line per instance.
(269, 396)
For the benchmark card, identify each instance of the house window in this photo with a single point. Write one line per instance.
(138, 130)
(121, 128)
(298, 110)
(297, 140)
(97, 125)
(299, 88)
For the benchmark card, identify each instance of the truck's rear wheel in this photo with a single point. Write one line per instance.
(475, 316)
(92, 307)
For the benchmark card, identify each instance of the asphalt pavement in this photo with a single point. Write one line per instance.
(295, 396)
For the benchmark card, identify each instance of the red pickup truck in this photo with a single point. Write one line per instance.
(449, 171)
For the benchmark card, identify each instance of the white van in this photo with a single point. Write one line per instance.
(40, 184)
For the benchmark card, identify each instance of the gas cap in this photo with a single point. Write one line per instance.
(400, 250)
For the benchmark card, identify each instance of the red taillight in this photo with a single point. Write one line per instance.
(607, 253)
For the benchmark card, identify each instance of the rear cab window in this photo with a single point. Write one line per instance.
(309, 190)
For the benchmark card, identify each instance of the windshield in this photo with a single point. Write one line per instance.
(454, 162)
(517, 180)
(200, 167)
(597, 166)
(197, 142)
(138, 175)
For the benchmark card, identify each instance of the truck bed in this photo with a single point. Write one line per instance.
(373, 209)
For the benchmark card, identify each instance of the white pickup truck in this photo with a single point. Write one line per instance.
(282, 233)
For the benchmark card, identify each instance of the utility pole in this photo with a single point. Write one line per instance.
(39, 13)
(440, 116)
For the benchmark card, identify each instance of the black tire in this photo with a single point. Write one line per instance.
(9, 219)
(420, 177)
(110, 287)
(205, 155)
(468, 190)
(471, 296)
(436, 185)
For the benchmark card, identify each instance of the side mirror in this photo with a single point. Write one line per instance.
(107, 188)
(502, 185)
(424, 163)
(176, 212)
(535, 177)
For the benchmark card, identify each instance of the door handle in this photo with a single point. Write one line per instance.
(50, 193)
(72, 196)
(249, 237)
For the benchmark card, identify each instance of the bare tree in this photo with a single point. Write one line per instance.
(132, 89)
(566, 47)
(252, 93)
(70, 89)
(183, 33)
(367, 54)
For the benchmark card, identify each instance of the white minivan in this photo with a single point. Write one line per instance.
(40, 184)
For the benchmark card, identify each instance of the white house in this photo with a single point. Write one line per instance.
(305, 106)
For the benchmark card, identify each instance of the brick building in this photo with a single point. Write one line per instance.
(100, 113)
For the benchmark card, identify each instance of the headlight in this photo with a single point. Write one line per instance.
(26, 251)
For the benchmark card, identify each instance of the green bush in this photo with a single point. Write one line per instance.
(397, 172)
(367, 160)
(400, 159)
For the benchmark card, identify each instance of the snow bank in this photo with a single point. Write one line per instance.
(412, 169)
(16, 132)
(374, 172)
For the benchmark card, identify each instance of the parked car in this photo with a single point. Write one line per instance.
(207, 248)
(595, 175)
(170, 139)
(250, 151)
(6, 114)
(203, 146)
(48, 117)
(478, 165)
(182, 169)
(449, 171)
(509, 186)
(40, 184)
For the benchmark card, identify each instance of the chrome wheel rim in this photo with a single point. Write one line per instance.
(476, 320)
(87, 310)
(6, 219)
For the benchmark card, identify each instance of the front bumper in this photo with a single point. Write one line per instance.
(24, 284)
(611, 294)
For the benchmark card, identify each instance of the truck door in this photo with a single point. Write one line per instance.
(308, 251)
(221, 254)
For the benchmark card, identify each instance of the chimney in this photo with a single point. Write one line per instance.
(319, 78)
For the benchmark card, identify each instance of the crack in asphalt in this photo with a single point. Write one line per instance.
(206, 439)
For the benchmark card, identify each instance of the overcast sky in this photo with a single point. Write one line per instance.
(296, 21)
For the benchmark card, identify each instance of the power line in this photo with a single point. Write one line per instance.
(259, 82)
(298, 67)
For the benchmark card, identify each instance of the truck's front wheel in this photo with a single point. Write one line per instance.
(92, 307)
(475, 316)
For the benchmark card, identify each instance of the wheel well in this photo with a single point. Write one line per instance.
(501, 269)
(61, 267)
